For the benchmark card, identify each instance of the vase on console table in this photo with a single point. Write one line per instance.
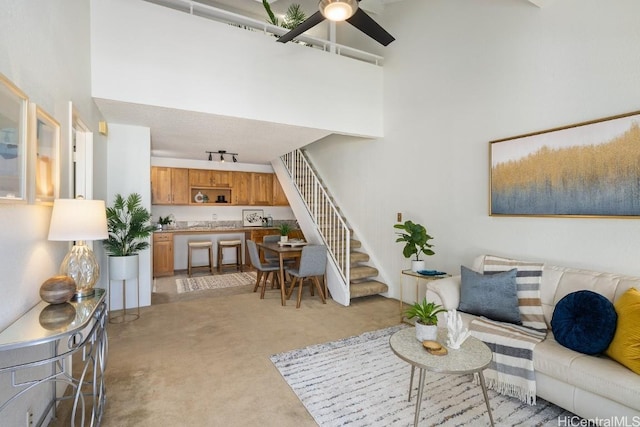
(417, 265)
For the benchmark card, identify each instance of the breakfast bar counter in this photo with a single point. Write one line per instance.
(170, 246)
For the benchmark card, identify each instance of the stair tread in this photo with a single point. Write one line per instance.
(366, 288)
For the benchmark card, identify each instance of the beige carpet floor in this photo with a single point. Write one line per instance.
(202, 358)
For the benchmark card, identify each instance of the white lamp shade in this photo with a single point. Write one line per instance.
(78, 219)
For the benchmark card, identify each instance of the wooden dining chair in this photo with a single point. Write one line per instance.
(263, 270)
(313, 263)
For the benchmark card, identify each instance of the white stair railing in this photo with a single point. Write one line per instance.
(332, 227)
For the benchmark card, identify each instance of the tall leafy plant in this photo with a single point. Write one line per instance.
(294, 16)
(128, 223)
(415, 238)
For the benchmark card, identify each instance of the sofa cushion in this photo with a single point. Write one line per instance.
(493, 296)
(625, 347)
(584, 321)
(528, 279)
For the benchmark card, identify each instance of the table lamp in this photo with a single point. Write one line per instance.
(78, 220)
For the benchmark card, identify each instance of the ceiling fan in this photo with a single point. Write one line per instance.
(342, 10)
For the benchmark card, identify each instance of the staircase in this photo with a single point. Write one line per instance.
(350, 258)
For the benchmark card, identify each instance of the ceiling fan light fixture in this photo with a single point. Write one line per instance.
(338, 10)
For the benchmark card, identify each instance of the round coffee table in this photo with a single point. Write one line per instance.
(472, 357)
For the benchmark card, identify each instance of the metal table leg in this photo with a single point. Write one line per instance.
(486, 397)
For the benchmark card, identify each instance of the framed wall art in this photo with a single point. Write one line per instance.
(252, 217)
(47, 157)
(590, 169)
(13, 142)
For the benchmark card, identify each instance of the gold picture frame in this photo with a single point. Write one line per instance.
(13, 142)
(590, 169)
(46, 162)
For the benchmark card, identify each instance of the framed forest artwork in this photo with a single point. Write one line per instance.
(590, 169)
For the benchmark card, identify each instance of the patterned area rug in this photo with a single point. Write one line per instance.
(218, 281)
(358, 381)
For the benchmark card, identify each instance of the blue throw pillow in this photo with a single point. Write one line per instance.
(494, 296)
(584, 321)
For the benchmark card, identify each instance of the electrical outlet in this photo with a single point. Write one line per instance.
(214, 217)
(399, 216)
(29, 418)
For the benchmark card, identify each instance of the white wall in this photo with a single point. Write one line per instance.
(128, 159)
(459, 75)
(44, 50)
(153, 55)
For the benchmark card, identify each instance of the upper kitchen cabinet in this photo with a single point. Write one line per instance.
(242, 188)
(279, 198)
(169, 186)
(262, 188)
(209, 178)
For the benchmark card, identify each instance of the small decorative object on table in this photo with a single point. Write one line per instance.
(456, 332)
(58, 289)
(426, 314)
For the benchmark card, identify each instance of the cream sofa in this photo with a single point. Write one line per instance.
(592, 387)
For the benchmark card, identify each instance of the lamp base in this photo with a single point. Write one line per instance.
(82, 266)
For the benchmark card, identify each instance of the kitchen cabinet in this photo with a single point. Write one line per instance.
(169, 186)
(242, 188)
(262, 188)
(162, 254)
(209, 178)
(279, 198)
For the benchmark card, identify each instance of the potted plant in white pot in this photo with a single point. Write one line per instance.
(416, 242)
(426, 314)
(129, 227)
(284, 230)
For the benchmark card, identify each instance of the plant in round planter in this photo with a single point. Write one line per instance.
(426, 314)
(284, 230)
(128, 224)
(165, 222)
(416, 242)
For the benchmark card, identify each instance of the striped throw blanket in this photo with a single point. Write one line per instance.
(511, 370)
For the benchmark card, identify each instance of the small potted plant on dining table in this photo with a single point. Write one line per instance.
(284, 230)
(426, 315)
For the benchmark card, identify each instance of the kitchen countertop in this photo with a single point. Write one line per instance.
(214, 230)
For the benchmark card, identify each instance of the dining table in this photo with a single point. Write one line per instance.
(284, 251)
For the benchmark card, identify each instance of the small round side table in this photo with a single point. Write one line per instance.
(472, 357)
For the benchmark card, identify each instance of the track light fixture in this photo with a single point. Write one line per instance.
(222, 153)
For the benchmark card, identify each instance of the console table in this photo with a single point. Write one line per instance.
(67, 329)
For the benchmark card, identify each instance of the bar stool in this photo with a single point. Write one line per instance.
(200, 244)
(237, 244)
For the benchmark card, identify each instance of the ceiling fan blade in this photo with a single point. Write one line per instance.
(367, 25)
(308, 23)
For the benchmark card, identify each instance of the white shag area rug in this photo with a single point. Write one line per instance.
(219, 281)
(358, 381)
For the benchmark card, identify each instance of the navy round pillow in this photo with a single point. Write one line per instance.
(584, 321)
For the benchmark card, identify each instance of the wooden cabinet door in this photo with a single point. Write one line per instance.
(180, 186)
(162, 254)
(160, 185)
(199, 178)
(209, 178)
(279, 198)
(220, 178)
(262, 186)
(241, 188)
